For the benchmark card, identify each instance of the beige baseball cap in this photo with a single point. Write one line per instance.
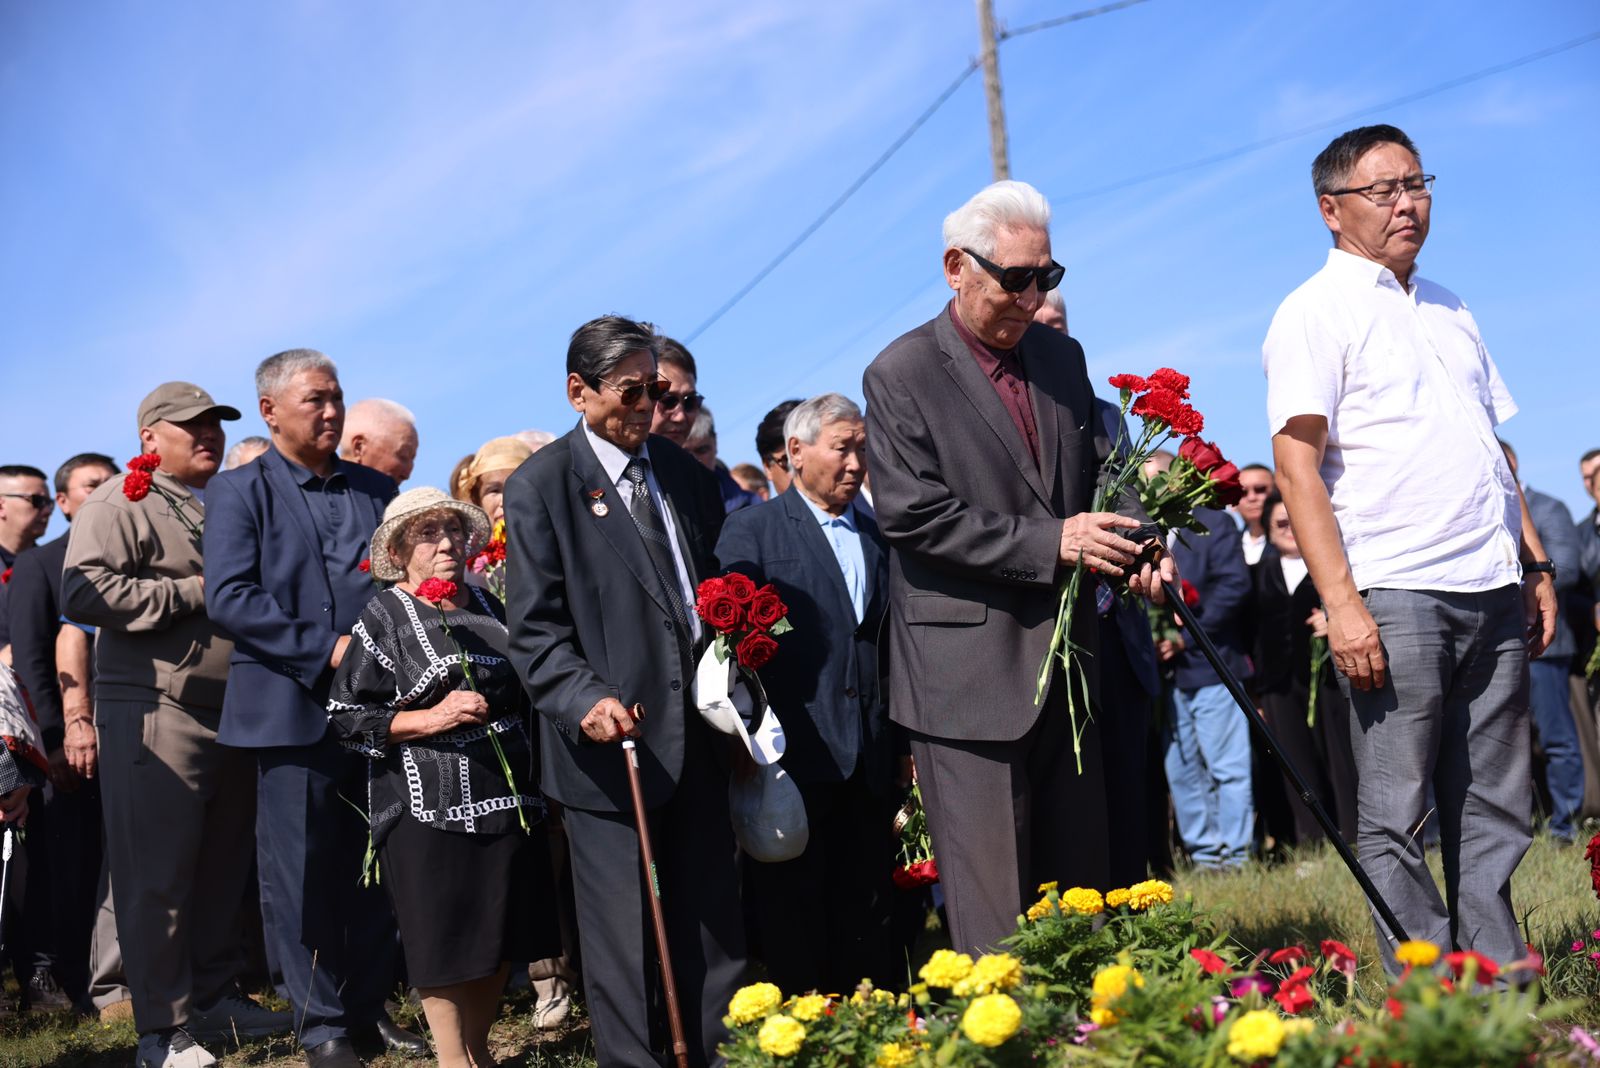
(177, 401)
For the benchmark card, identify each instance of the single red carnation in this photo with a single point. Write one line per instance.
(1457, 963)
(1340, 956)
(1288, 955)
(1159, 404)
(1191, 596)
(1131, 383)
(1209, 961)
(147, 461)
(435, 590)
(136, 484)
(1186, 420)
(739, 587)
(365, 566)
(720, 610)
(1203, 454)
(755, 650)
(1225, 481)
(5, 577)
(766, 608)
(1167, 378)
(912, 876)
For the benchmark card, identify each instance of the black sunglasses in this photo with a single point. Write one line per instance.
(691, 401)
(41, 501)
(630, 394)
(1016, 279)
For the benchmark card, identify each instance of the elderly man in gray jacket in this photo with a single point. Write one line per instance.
(179, 807)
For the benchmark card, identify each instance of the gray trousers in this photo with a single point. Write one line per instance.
(1454, 712)
(180, 814)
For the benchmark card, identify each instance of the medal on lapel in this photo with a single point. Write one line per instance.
(596, 505)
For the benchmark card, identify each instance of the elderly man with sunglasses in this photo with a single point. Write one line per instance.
(984, 452)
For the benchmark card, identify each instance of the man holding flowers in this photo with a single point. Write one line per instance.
(1383, 404)
(984, 453)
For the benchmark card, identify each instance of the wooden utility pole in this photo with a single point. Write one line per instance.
(991, 91)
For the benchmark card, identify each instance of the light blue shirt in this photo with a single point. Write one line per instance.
(845, 540)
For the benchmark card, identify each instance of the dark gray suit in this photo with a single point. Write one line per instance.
(974, 526)
(589, 619)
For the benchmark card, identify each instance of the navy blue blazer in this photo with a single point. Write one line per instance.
(588, 618)
(1214, 564)
(267, 588)
(823, 682)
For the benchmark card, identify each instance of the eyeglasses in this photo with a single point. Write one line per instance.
(1417, 187)
(780, 460)
(1016, 279)
(434, 533)
(42, 501)
(630, 394)
(1281, 524)
(1255, 491)
(691, 401)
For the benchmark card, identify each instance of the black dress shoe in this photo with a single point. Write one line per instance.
(397, 1039)
(334, 1053)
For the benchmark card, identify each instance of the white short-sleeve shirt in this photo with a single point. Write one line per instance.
(1422, 493)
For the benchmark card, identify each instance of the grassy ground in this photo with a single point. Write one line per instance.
(1301, 900)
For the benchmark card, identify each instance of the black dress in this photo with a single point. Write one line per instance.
(470, 888)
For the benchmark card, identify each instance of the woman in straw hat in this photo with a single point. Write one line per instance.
(448, 807)
(484, 480)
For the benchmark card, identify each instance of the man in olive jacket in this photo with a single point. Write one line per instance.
(179, 807)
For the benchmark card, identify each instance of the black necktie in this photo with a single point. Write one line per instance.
(654, 532)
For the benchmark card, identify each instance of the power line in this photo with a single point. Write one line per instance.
(1278, 139)
(878, 163)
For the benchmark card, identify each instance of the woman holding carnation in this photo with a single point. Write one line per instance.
(447, 805)
(1288, 619)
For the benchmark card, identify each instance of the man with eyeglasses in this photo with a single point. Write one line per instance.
(1383, 404)
(675, 409)
(25, 505)
(1255, 481)
(984, 450)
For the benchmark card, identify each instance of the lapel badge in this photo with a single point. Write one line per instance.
(597, 506)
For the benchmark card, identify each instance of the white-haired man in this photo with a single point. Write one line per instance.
(984, 453)
(382, 435)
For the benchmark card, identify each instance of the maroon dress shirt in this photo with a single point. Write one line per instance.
(1003, 368)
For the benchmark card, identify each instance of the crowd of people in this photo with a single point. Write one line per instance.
(269, 719)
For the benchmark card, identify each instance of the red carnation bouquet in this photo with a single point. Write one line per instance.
(747, 619)
(141, 479)
(1200, 476)
(491, 561)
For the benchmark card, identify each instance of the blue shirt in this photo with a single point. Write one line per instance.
(845, 540)
(344, 537)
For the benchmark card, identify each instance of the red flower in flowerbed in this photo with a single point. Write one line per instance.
(1593, 856)
(746, 618)
(1209, 962)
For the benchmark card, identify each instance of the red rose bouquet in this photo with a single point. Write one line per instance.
(746, 620)
(140, 480)
(436, 591)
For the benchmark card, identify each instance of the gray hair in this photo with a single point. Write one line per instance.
(599, 345)
(534, 439)
(1054, 298)
(1331, 169)
(809, 417)
(703, 428)
(379, 410)
(277, 370)
(1006, 204)
(255, 445)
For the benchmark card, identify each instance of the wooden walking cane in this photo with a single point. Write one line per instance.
(630, 753)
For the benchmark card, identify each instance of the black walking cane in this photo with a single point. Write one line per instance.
(630, 753)
(1307, 794)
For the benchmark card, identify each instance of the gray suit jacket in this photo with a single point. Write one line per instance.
(974, 526)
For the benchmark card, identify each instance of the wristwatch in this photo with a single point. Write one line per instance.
(1547, 567)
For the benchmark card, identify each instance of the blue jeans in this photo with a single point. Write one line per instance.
(1208, 772)
(1558, 734)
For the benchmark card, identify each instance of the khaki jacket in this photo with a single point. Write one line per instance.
(133, 571)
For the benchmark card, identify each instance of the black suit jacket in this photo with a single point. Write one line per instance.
(34, 607)
(974, 525)
(823, 681)
(1214, 564)
(588, 618)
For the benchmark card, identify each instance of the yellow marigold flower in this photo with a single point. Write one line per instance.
(1040, 909)
(1150, 892)
(1102, 1017)
(808, 1008)
(1045, 888)
(1117, 898)
(1112, 981)
(1083, 901)
(1256, 1035)
(781, 1036)
(754, 1002)
(945, 968)
(1417, 953)
(992, 973)
(883, 997)
(991, 1019)
(894, 1055)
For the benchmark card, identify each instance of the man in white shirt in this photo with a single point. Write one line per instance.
(1383, 405)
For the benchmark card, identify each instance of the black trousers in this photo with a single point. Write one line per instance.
(1124, 745)
(64, 850)
(1321, 752)
(823, 918)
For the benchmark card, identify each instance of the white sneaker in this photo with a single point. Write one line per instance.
(236, 1015)
(550, 1013)
(172, 1049)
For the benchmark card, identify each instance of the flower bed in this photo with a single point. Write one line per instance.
(1136, 977)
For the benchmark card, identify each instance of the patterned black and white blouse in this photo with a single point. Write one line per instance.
(401, 658)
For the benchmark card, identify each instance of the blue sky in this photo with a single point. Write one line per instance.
(436, 195)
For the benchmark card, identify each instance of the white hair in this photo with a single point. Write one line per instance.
(378, 410)
(275, 372)
(534, 439)
(703, 427)
(809, 417)
(243, 451)
(1008, 204)
(1054, 298)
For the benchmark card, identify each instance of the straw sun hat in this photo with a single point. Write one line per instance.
(406, 507)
